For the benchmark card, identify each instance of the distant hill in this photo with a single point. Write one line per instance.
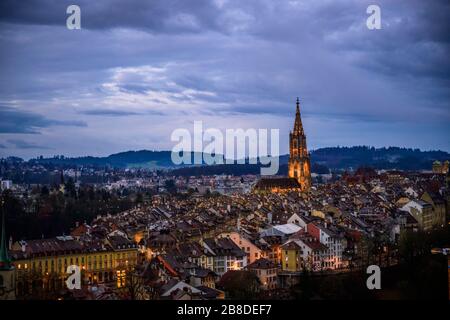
(379, 158)
(129, 159)
(339, 158)
(321, 160)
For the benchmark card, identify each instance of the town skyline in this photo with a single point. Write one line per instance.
(56, 154)
(224, 156)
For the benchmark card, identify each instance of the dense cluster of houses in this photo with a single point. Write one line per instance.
(180, 248)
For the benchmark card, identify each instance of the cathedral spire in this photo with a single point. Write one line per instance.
(299, 166)
(5, 262)
(298, 126)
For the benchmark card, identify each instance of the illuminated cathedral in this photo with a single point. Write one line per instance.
(299, 165)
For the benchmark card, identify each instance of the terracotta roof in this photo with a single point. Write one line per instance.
(281, 183)
(261, 263)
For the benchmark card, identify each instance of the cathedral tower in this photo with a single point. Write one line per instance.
(299, 163)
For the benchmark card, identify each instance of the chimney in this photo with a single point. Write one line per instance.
(10, 243)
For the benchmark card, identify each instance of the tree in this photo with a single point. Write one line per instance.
(139, 197)
(366, 249)
(134, 288)
(45, 191)
(305, 289)
(170, 186)
(70, 188)
(240, 284)
(411, 244)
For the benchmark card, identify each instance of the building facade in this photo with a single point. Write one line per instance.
(299, 166)
(227, 256)
(41, 265)
(253, 252)
(423, 212)
(266, 271)
(440, 168)
(299, 161)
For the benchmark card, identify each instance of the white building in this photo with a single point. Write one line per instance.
(283, 230)
(226, 255)
(334, 241)
(5, 184)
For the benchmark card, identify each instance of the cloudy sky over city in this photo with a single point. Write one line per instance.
(137, 70)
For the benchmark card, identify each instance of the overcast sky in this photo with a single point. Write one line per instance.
(137, 70)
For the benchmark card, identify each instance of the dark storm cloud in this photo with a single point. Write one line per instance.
(413, 41)
(16, 121)
(21, 144)
(153, 15)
